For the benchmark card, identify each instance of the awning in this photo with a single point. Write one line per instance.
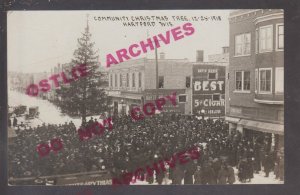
(263, 126)
(232, 119)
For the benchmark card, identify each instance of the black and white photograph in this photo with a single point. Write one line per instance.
(145, 97)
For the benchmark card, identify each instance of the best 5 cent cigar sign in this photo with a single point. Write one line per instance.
(209, 90)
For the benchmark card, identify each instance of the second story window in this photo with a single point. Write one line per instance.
(242, 81)
(280, 36)
(116, 80)
(120, 79)
(127, 80)
(265, 80)
(212, 76)
(279, 80)
(161, 82)
(242, 44)
(133, 80)
(140, 79)
(111, 80)
(266, 38)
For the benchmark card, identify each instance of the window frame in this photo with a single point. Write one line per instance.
(272, 39)
(277, 37)
(116, 80)
(256, 40)
(243, 45)
(127, 80)
(212, 73)
(120, 80)
(256, 80)
(276, 73)
(216, 94)
(140, 80)
(242, 90)
(111, 79)
(186, 100)
(163, 83)
(133, 80)
(259, 82)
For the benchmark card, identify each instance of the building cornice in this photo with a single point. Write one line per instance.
(268, 17)
(269, 102)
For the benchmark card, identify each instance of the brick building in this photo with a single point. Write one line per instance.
(133, 83)
(256, 72)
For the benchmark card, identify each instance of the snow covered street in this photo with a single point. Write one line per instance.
(49, 113)
(258, 179)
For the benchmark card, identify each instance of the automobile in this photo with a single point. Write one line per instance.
(20, 110)
(33, 112)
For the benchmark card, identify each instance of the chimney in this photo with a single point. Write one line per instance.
(199, 56)
(162, 55)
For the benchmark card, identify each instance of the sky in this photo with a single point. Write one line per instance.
(39, 40)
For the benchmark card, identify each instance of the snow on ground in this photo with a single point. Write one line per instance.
(49, 113)
(259, 178)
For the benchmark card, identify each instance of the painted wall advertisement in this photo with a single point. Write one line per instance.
(209, 90)
(150, 96)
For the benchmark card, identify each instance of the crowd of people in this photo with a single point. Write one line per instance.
(132, 144)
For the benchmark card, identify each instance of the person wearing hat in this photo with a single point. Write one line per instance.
(222, 175)
(268, 164)
(230, 176)
(15, 122)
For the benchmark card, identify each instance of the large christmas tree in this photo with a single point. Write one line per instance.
(86, 95)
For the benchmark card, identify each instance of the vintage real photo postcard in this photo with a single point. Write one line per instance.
(140, 97)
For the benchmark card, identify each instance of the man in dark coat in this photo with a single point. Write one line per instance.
(178, 175)
(15, 122)
(208, 175)
(268, 164)
(9, 122)
(231, 177)
(242, 167)
(249, 169)
(197, 176)
(189, 172)
(222, 175)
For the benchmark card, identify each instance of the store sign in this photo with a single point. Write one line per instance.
(205, 105)
(150, 96)
(209, 86)
(209, 90)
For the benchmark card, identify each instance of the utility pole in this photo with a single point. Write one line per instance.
(156, 69)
